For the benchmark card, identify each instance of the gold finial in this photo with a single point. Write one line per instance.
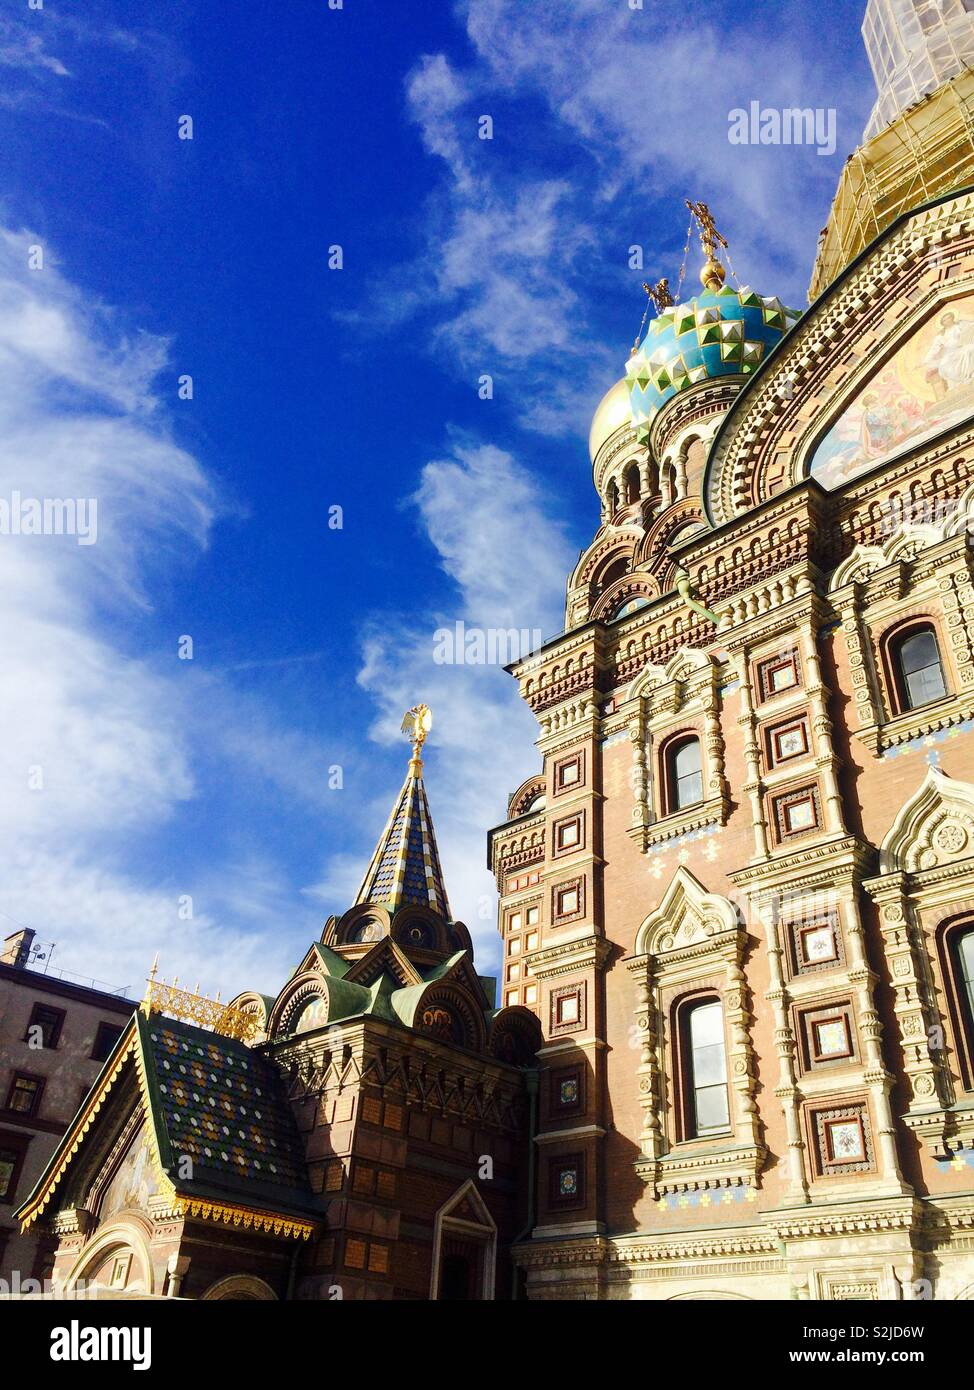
(713, 274)
(660, 294)
(150, 981)
(416, 724)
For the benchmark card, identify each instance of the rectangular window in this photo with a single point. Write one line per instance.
(364, 1180)
(24, 1095)
(708, 1069)
(355, 1254)
(44, 1029)
(514, 922)
(512, 997)
(530, 994)
(514, 946)
(531, 941)
(10, 1162)
(513, 973)
(105, 1039)
(532, 916)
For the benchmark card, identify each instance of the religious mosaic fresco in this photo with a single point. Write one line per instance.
(925, 387)
(134, 1182)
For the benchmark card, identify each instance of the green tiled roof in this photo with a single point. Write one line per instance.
(223, 1105)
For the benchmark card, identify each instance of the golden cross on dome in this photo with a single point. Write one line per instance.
(660, 294)
(416, 724)
(713, 273)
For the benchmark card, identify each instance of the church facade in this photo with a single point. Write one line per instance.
(733, 1051)
(748, 856)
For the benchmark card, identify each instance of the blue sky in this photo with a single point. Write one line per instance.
(313, 388)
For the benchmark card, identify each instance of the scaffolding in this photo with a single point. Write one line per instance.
(928, 150)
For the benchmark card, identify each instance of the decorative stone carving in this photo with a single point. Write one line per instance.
(693, 937)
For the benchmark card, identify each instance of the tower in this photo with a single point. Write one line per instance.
(914, 47)
(363, 1134)
(736, 889)
(918, 140)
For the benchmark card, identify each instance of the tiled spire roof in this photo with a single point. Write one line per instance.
(405, 868)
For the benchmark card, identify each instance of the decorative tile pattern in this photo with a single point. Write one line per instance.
(719, 333)
(405, 867)
(566, 1180)
(842, 1141)
(223, 1106)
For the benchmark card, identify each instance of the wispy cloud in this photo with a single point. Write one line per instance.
(484, 515)
(22, 49)
(103, 742)
(605, 118)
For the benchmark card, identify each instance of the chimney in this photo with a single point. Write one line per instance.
(16, 948)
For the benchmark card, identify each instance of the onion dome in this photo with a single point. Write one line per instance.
(612, 412)
(722, 332)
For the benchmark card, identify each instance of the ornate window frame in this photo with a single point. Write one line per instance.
(694, 941)
(922, 574)
(665, 701)
(926, 883)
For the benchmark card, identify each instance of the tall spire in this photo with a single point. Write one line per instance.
(405, 868)
(914, 47)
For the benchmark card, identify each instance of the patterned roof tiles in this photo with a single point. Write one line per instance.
(405, 868)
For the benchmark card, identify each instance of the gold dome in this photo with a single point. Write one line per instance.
(612, 413)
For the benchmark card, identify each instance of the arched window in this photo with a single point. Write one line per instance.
(684, 774)
(612, 498)
(632, 484)
(704, 1069)
(917, 668)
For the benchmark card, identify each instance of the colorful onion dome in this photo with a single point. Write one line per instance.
(722, 332)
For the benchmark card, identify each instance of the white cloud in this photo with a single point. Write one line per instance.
(103, 742)
(496, 539)
(19, 48)
(631, 109)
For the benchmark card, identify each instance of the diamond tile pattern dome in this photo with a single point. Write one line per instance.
(725, 332)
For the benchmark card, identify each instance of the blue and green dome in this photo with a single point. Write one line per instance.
(722, 332)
